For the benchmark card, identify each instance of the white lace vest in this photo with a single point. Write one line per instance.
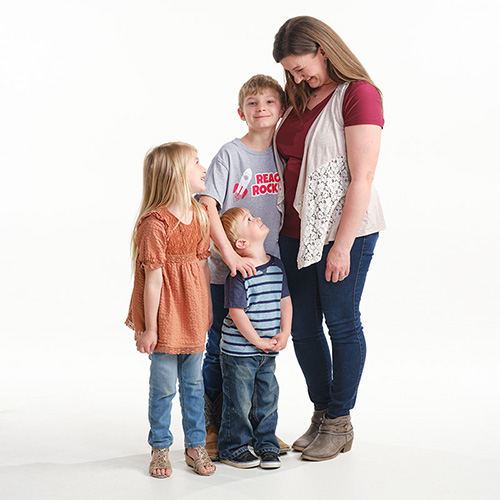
(323, 182)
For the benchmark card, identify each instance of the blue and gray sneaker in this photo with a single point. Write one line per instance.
(270, 460)
(244, 460)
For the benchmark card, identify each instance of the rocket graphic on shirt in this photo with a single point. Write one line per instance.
(266, 183)
(240, 188)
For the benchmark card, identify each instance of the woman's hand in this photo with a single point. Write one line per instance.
(338, 264)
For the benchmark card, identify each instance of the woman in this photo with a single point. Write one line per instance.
(327, 149)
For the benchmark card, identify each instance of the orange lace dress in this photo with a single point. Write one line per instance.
(163, 241)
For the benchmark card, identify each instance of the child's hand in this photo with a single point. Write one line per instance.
(147, 342)
(267, 345)
(281, 340)
(237, 263)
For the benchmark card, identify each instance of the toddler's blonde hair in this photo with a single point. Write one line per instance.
(230, 220)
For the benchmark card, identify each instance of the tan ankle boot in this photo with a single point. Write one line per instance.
(212, 441)
(335, 436)
(284, 447)
(308, 437)
(213, 415)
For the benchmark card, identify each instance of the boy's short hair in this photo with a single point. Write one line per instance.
(258, 84)
(230, 220)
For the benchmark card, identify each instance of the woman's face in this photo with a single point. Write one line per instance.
(309, 67)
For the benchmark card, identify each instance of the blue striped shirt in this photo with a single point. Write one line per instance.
(260, 297)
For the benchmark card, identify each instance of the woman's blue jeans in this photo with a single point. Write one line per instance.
(332, 379)
(250, 405)
(165, 370)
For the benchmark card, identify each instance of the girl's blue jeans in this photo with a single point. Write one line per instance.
(332, 379)
(250, 405)
(165, 370)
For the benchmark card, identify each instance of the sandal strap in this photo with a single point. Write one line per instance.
(202, 460)
(161, 461)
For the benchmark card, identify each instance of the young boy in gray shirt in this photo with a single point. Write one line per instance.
(242, 174)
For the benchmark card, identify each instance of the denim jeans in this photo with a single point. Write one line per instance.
(332, 379)
(212, 376)
(250, 405)
(165, 370)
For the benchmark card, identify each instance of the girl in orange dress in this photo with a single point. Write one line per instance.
(170, 309)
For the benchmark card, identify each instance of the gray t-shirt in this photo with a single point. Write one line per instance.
(241, 177)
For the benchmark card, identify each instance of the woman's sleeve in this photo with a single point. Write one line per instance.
(152, 236)
(362, 105)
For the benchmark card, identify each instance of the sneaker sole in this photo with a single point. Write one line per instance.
(270, 465)
(241, 465)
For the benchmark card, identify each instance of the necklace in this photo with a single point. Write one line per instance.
(323, 90)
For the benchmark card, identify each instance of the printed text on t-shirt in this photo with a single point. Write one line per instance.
(266, 183)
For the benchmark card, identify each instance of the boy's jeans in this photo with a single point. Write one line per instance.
(250, 405)
(212, 376)
(165, 370)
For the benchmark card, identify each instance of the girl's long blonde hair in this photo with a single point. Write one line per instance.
(165, 183)
(305, 35)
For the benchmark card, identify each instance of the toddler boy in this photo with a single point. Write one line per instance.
(257, 327)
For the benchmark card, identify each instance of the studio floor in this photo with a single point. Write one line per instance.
(90, 86)
(75, 426)
(369, 471)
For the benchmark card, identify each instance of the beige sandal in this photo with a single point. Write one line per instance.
(160, 462)
(202, 460)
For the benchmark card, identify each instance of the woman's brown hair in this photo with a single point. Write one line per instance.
(305, 35)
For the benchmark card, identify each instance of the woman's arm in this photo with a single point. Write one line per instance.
(363, 146)
(152, 292)
(230, 257)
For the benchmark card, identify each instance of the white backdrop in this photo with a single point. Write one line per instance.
(87, 87)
